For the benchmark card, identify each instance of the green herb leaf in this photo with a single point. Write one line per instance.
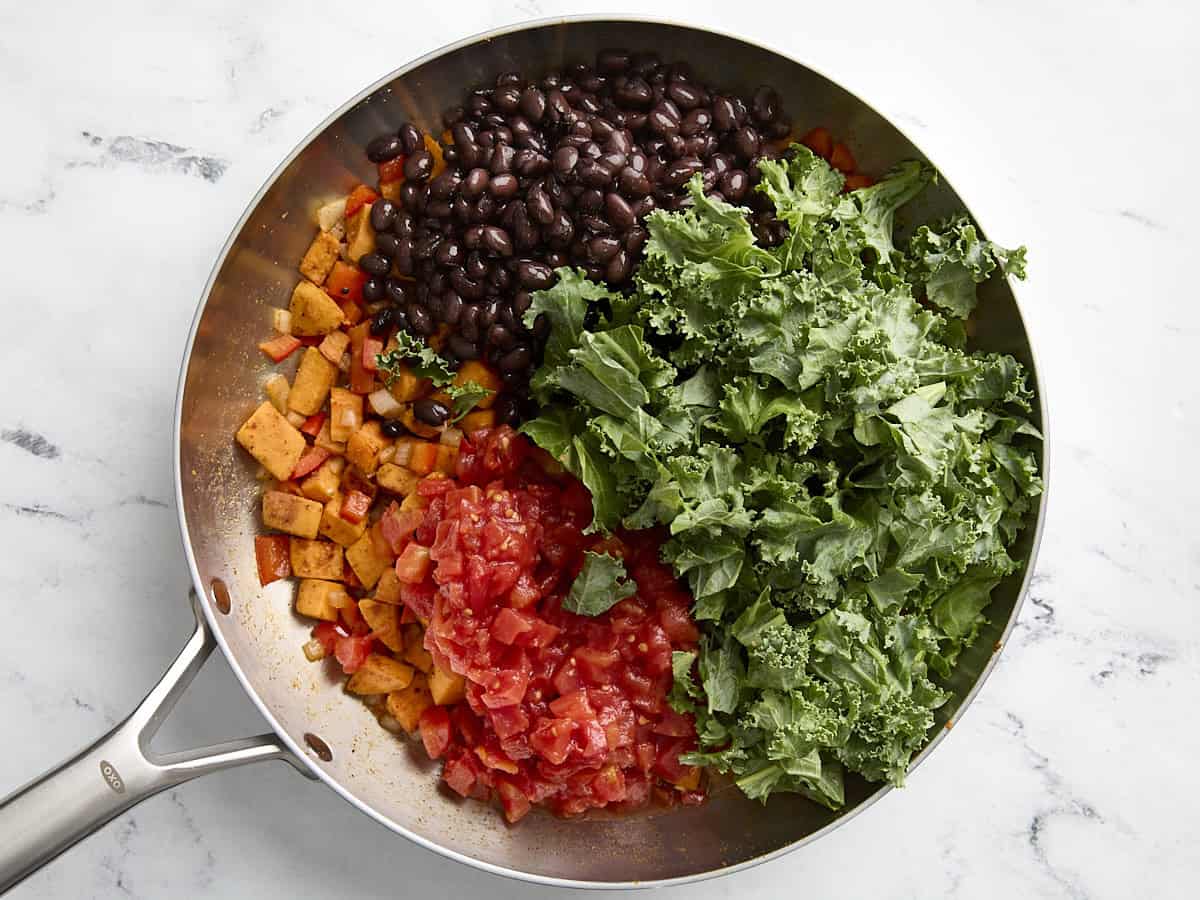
(466, 397)
(413, 353)
(599, 586)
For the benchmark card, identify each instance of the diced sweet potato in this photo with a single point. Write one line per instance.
(446, 687)
(480, 418)
(387, 588)
(447, 456)
(334, 346)
(367, 561)
(362, 449)
(272, 440)
(316, 599)
(415, 653)
(316, 559)
(474, 370)
(423, 458)
(380, 674)
(396, 479)
(407, 705)
(406, 387)
(322, 484)
(690, 779)
(322, 253)
(409, 420)
(345, 413)
(360, 236)
(313, 311)
(324, 440)
(314, 379)
(291, 514)
(337, 529)
(384, 620)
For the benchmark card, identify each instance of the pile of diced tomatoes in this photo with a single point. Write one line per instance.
(563, 710)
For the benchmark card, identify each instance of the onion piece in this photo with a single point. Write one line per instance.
(296, 419)
(384, 404)
(281, 320)
(331, 214)
(387, 453)
(344, 363)
(277, 389)
(451, 437)
(403, 452)
(314, 650)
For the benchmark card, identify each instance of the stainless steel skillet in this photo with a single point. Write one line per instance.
(320, 730)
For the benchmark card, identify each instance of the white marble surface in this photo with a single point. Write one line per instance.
(135, 132)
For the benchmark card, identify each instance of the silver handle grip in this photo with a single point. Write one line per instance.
(68, 803)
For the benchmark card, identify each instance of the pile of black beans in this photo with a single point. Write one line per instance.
(547, 173)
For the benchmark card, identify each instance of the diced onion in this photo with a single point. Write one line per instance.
(451, 437)
(386, 454)
(277, 389)
(281, 320)
(392, 724)
(403, 453)
(314, 650)
(296, 419)
(331, 213)
(384, 404)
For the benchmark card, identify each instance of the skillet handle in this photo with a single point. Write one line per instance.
(70, 802)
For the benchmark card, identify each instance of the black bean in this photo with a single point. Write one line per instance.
(487, 314)
(507, 409)
(746, 142)
(500, 277)
(383, 148)
(509, 78)
(383, 214)
(431, 412)
(434, 304)
(533, 105)
(484, 209)
(593, 174)
(534, 276)
(387, 244)
(507, 318)
(633, 183)
(437, 209)
(442, 187)
(413, 197)
(373, 290)
(477, 267)
(392, 428)
(467, 287)
(675, 146)
(766, 105)
(502, 159)
(521, 302)
(679, 172)
(561, 230)
(479, 104)
(696, 121)
(525, 233)
(635, 121)
(686, 96)
(734, 185)
(507, 98)
(411, 138)
(503, 187)
(516, 359)
(530, 162)
(475, 183)
(418, 166)
(634, 94)
(403, 263)
(374, 264)
(590, 201)
(635, 238)
(565, 159)
(450, 154)
(461, 347)
(644, 207)
(468, 324)
(619, 267)
(619, 212)
(449, 254)
(497, 240)
(541, 209)
(701, 145)
(556, 105)
(404, 224)
(500, 337)
(612, 61)
(660, 122)
(419, 319)
(602, 249)
(724, 114)
(436, 282)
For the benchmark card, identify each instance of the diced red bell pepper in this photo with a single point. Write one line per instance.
(819, 141)
(359, 197)
(352, 652)
(355, 506)
(271, 554)
(372, 346)
(310, 461)
(435, 730)
(842, 159)
(312, 425)
(392, 170)
(345, 282)
(280, 347)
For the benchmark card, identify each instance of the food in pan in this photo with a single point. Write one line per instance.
(627, 442)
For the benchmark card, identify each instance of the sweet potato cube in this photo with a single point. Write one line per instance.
(380, 674)
(313, 311)
(446, 687)
(323, 439)
(406, 387)
(396, 479)
(322, 253)
(337, 529)
(322, 484)
(407, 705)
(291, 514)
(447, 456)
(314, 379)
(272, 440)
(387, 588)
(360, 236)
(477, 419)
(362, 449)
(424, 457)
(474, 370)
(415, 653)
(345, 413)
(384, 620)
(334, 346)
(367, 561)
(316, 559)
(315, 599)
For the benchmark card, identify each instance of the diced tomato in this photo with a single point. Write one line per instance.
(574, 705)
(345, 282)
(397, 526)
(858, 182)
(352, 651)
(327, 633)
(271, 552)
(508, 721)
(819, 141)
(524, 593)
(312, 425)
(842, 159)
(677, 623)
(370, 349)
(392, 170)
(435, 730)
(552, 739)
(280, 347)
(460, 776)
(361, 381)
(673, 724)
(508, 624)
(412, 566)
(359, 197)
(516, 805)
(355, 506)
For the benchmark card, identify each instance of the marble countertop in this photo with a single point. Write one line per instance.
(136, 132)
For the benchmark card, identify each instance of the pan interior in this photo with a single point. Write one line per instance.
(223, 382)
